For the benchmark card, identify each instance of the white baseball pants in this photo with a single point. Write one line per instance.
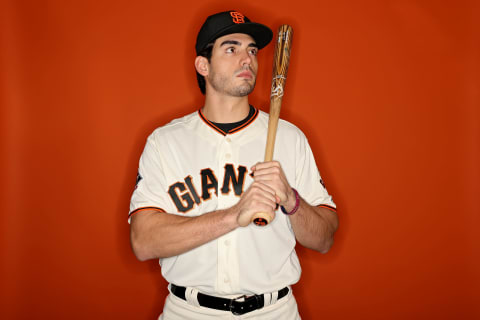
(178, 309)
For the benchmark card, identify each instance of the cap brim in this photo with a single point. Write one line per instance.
(260, 33)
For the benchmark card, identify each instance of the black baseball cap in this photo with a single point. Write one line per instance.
(223, 23)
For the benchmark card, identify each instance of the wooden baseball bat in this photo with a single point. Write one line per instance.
(281, 59)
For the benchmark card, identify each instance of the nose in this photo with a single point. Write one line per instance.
(246, 59)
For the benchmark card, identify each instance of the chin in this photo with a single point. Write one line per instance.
(244, 90)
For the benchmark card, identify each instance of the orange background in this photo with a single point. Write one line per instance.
(388, 93)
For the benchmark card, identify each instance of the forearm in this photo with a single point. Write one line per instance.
(314, 227)
(155, 234)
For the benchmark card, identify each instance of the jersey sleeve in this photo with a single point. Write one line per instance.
(150, 190)
(308, 181)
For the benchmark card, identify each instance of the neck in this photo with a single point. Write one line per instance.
(221, 109)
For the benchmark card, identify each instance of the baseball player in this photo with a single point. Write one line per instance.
(200, 174)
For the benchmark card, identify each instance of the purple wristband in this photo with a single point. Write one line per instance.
(297, 204)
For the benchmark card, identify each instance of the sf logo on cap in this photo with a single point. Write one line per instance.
(237, 17)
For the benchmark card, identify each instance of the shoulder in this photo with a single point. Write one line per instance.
(285, 128)
(176, 126)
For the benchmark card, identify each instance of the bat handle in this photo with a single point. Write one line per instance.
(262, 218)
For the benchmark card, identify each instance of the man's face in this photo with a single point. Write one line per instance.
(233, 65)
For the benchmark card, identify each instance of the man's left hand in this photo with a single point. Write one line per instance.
(271, 174)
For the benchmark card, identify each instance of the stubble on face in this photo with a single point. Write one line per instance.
(222, 83)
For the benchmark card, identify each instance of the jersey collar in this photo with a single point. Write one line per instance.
(243, 125)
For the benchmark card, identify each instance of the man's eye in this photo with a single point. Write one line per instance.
(254, 51)
(230, 50)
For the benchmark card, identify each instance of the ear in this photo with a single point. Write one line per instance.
(201, 64)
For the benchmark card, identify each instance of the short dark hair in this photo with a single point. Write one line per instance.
(207, 53)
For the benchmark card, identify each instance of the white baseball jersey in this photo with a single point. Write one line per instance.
(190, 167)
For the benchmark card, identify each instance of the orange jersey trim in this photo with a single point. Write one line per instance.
(243, 126)
(246, 124)
(210, 124)
(145, 208)
(328, 207)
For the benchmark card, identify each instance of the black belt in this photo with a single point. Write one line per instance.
(233, 305)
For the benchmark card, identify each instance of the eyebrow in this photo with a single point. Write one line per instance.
(234, 42)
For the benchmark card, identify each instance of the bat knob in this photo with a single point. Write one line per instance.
(261, 219)
(260, 222)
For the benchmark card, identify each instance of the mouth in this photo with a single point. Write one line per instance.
(245, 74)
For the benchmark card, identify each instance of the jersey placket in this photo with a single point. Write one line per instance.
(228, 270)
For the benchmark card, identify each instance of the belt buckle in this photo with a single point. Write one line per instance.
(235, 305)
(232, 307)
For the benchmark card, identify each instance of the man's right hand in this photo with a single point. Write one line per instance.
(257, 198)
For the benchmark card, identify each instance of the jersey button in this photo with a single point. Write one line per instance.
(229, 140)
(227, 242)
(226, 280)
(228, 155)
